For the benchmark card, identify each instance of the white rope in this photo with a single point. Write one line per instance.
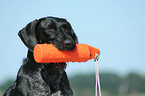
(97, 80)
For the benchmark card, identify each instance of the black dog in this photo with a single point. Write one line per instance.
(35, 79)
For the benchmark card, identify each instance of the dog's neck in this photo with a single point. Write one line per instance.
(30, 55)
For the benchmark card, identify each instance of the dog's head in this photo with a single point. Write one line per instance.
(48, 30)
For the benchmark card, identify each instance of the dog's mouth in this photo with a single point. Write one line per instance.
(64, 48)
(60, 63)
(56, 66)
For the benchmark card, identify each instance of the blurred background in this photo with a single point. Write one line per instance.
(116, 27)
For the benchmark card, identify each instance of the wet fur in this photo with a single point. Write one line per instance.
(35, 79)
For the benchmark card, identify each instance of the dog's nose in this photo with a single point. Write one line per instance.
(69, 44)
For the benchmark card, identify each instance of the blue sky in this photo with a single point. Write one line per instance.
(116, 27)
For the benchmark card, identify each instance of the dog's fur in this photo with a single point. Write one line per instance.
(35, 79)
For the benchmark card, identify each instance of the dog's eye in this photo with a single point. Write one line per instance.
(66, 29)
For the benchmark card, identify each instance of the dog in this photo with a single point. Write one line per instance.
(44, 79)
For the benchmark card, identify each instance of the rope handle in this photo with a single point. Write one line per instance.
(97, 78)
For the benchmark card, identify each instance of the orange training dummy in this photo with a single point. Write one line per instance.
(48, 53)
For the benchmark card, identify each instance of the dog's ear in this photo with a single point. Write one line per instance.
(28, 35)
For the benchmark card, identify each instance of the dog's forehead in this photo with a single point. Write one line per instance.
(49, 21)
